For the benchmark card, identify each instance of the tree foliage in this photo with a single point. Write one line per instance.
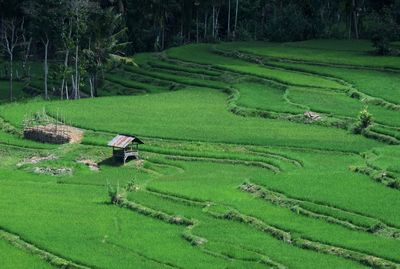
(365, 120)
(82, 35)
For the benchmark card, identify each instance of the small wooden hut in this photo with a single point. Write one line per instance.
(125, 147)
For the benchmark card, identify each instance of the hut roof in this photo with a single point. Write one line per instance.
(122, 141)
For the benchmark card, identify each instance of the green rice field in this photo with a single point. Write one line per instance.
(232, 173)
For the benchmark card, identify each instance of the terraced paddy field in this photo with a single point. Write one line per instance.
(232, 174)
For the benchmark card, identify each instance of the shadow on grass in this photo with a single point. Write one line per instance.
(112, 162)
(115, 162)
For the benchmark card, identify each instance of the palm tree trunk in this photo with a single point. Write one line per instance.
(229, 18)
(163, 36)
(65, 70)
(11, 75)
(46, 67)
(25, 63)
(66, 90)
(350, 25)
(197, 25)
(355, 18)
(205, 25)
(76, 71)
(236, 18)
(66, 59)
(91, 86)
(213, 21)
(217, 22)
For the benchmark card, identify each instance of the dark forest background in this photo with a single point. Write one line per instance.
(79, 38)
(158, 24)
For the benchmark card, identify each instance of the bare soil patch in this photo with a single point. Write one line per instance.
(93, 166)
(312, 116)
(38, 159)
(53, 171)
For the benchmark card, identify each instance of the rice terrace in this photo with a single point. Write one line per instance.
(202, 140)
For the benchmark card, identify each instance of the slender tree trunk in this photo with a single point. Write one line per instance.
(11, 41)
(76, 71)
(95, 84)
(11, 75)
(263, 20)
(197, 25)
(213, 21)
(355, 18)
(66, 90)
(66, 59)
(65, 70)
(62, 91)
(205, 25)
(91, 85)
(182, 29)
(217, 23)
(73, 87)
(78, 89)
(229, 18)
(46, 67)
(163, 36)
(236, 18)
(27, 53)
(350, 26)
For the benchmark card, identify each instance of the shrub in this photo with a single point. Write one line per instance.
(365, 120)
(116, 194)
(132, 186)
(395, 184)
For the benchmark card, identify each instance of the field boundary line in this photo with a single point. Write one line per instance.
(273, 168)
(278, 156)
(51, 258)
(143, 255)
(310, 62)
(303, 243)
(297, 206)
(351, 90)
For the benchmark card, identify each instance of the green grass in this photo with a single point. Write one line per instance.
(387, 159)
(233, 239)
(165, 76)
(374, 83)
(203, 118)
(200, 115)
(325, 51)
(265, 97)
(203, 54)
(190, 70)
(334, 45)
(10, 139)
(341, 105)
(12, 257)
(75, 199)
(104, 246)
(325, 101)
(194, 184)
(134, 85)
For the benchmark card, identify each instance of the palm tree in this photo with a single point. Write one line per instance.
(104, 44)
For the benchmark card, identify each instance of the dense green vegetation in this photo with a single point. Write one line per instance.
(232, 174)
(64, 49)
